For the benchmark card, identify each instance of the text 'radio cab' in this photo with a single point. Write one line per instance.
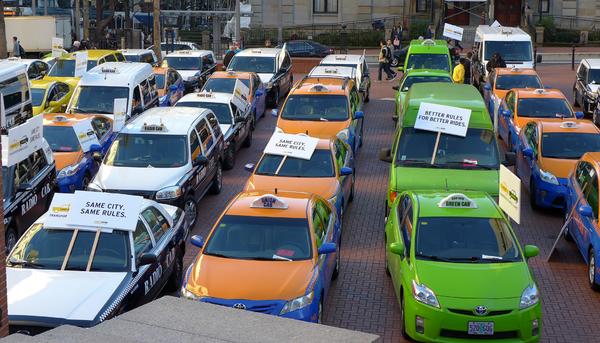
(235, 119)
(360, 66)
(269, 253)
(28, 177)
(169, 154)
(324, 107)
(91, 257)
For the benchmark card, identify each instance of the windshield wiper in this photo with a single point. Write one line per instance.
(273, 258)
(434, 258)
(323, 119)
(468, 165)
(25, 263)
(282, 258)
(419, 163)
(217, 255)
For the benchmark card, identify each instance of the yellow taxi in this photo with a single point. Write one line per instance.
(329, 173)
(64, 68)
(49, 96)
(549, 150)
(505, 79)
(224, 82)
(324, 107)
(521, 106)
(273, 252)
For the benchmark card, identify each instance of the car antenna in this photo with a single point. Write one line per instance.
(275, 190)
(307, 132)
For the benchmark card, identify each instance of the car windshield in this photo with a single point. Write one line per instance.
(477, 150)
(316, 108)
(253, 64)
(544, 108)
(37, 96)
(44, 248)
(506, 82)
(61, 138)
(148, 151)
(319, 165)
(569, 145)
(223, 85)
(339, 65)
(411, 80)
(222, 111)
(160, 80)
(428, 61)
(184, 63)
(510, 51)
(97, 99)
(63, 68)
(466, 240)
(260, 238)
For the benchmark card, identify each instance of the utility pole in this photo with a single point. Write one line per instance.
(86, 19)
(237, 21)
(45, 7)
(33, 6)
(280, 22)
(156, 29)
(76, 19)
(3, 50)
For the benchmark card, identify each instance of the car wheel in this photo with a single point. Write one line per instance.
(592, 270)
(575, 102)
(10, 239)
(174, 282)
(217, 183)
(229, 159)
(351, 196)
(532, 195)
(248, 141)
(320, 311)
(190, 208)
(566, 234)
(394, 62)
(336, 270)
(402, 316)
(367, 97)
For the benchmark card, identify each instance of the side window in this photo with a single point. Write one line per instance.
(581, 174)
(340, 154)
(287, 62)
(205, 135)
(354, 100)
(110, 58)
(63, 89)
(120, 57)
(407, 227)
(214, 123)
(137, 97)
(195, 149)
(319, 226)
(101, 126)
(42, 67)
(22, 173)
(32, 71)
(234, 110)
(533, 141)
(53, 94)
(510, 101)
(156, 221)
(584, 74)
(37, 163)
(145, 87)
(141, 240)
(591, 193)
(171, 77)
(256, 82)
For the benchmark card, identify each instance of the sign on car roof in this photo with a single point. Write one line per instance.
(22, 140)
(298, 146)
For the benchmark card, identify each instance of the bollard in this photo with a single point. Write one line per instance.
(573, 58)
(535, 57)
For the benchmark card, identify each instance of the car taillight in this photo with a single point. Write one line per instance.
(393, 196)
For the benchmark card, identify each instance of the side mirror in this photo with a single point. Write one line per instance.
(531, 251)
(173, 88)
(396, 88)
(585, 211)
(274, 112)
(507, 113)
(397, 248)
(579, 115)
(345, 171)
(249, 167)
(197, 241)
(24, 187)
(510, 159)
(528, 152)
(538, 59)
(239, 119)
(147, 258)
(327, 248)
(259, 93)
(487, 87)
(201, 160)
(95, 148)
(385, 155)
(359, 115)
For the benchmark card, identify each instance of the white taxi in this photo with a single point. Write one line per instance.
(194, 66)
(360, 66)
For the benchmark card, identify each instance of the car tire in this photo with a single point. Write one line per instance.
(176, 277)
(575, 102)
(229, 158)
(274, 99)
(532, 196)
(190, 208)
(402, 316)
(368, 96)
(566, 234)
(592, 270)
(394, 62)
(336, 270)
(217, 183)
(248, 141)
(10, 239)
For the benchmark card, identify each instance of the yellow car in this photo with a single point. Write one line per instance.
(50, 96)
(64, 68)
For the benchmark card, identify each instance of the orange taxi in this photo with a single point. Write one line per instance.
(224, 82)
(169, 85)
(329, 173)
(78, 142)
(521, 106)
(549, 150)
(324, 107)
(505, 79)
(270, 252)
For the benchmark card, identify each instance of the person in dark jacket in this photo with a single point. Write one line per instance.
(228, 56)
(468, 68)
(429, 34)
(495, 62)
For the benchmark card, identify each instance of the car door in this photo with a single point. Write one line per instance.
(209, 148)
(164, 249)
(199, 172)
(143, 242)
(587, 226)
(576, 224)
(528, 164)
(398, 265)
(50, 97)
(343, 158)
(260, 95)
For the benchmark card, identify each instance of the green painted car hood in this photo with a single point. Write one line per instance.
(474, 280)
(409, 178)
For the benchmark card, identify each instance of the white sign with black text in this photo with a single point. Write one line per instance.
(510, 194)
(22, 140)
(57, 46)
(445, 119)
(85, 134)
(298, 146)
(241, 92)
(453, 32)
(81, 58)
(120, 111)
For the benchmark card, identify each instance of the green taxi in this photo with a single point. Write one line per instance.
(461, 163)
(414, 76)
(427, 54)
(458, 270)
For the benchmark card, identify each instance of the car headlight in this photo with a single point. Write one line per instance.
(187, 294)
(69, 170)
(344, 135)
(530, 297)
(93, 187)
(424, 295)
(548, 177)
(298, 303)
(172, 192)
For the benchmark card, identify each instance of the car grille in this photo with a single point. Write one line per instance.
(470, 312)
(30, 330)
(267, 307)
(145, 194)
(463, 334)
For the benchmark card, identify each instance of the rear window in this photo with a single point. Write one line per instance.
(544, 108)
(316, 108)
(319, 165)
(506, 82)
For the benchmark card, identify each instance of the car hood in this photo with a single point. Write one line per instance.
(265, 77)
(188, 73)
(325, 187)
(126, 178)
(246, 279)
(37, 110)
(64, 159)
(319, 129)
(406, 178)
(70, 295)
(557, 166)
(474, 280)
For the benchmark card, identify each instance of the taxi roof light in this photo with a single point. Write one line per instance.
(568, 125)
(331, 70)
(154, 127)
(60, 118)
(457, 200)
(205, 94)
(269, 201)
(319, 88)
(539, 91)
(428, 42)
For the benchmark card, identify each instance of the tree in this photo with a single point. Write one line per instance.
(102, 23)
(3, 50)
(156, 28)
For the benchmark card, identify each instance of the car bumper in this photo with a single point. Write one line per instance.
(551, 195)
(177, 202)
(272, 307)
(451, 324)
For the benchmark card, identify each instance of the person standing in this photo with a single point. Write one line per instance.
(228, 56)
(18, 50)
(458, 75)
(390, 57)
(429, 34)
(468, 67)
(396, 37)
(383, 61)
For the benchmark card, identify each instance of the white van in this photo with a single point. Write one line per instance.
(101, 85)
(14, 87)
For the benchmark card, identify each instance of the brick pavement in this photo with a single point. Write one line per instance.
(363, 298)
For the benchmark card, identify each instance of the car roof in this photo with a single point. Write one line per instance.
(322, 85)
(116, 74)
(448, 94)
(539, 93)
(426, 72)
(342, 59)
(26, 61)
(176, 120)
(329, 71)
(428, 46)
(68, 119)
(502, 33)
(217, 97)
(93, 54)
(189, 53)
(592, 157)
(41, 83)
(134, 51)
(12, 67)
(266, 52)
(594, 63)
(516, 71)
(428, 205)
(231, 75)
(297, 204)
(555, 125)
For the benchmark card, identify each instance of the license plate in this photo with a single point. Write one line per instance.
(481, 328)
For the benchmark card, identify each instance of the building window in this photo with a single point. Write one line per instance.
(545, 6)
(421, 5)
(325, 6)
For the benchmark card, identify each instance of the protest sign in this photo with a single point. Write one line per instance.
(453, 32)
(22, 140)
(81, 58)
(445, 119)
(85, 134)
(120, 111)
(57, 47)
(510, 194)
(240, 95)
(298, 146)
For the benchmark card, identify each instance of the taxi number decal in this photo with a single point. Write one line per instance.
(154, 277)
(170, 257)
(29, 204)
(46, 190)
